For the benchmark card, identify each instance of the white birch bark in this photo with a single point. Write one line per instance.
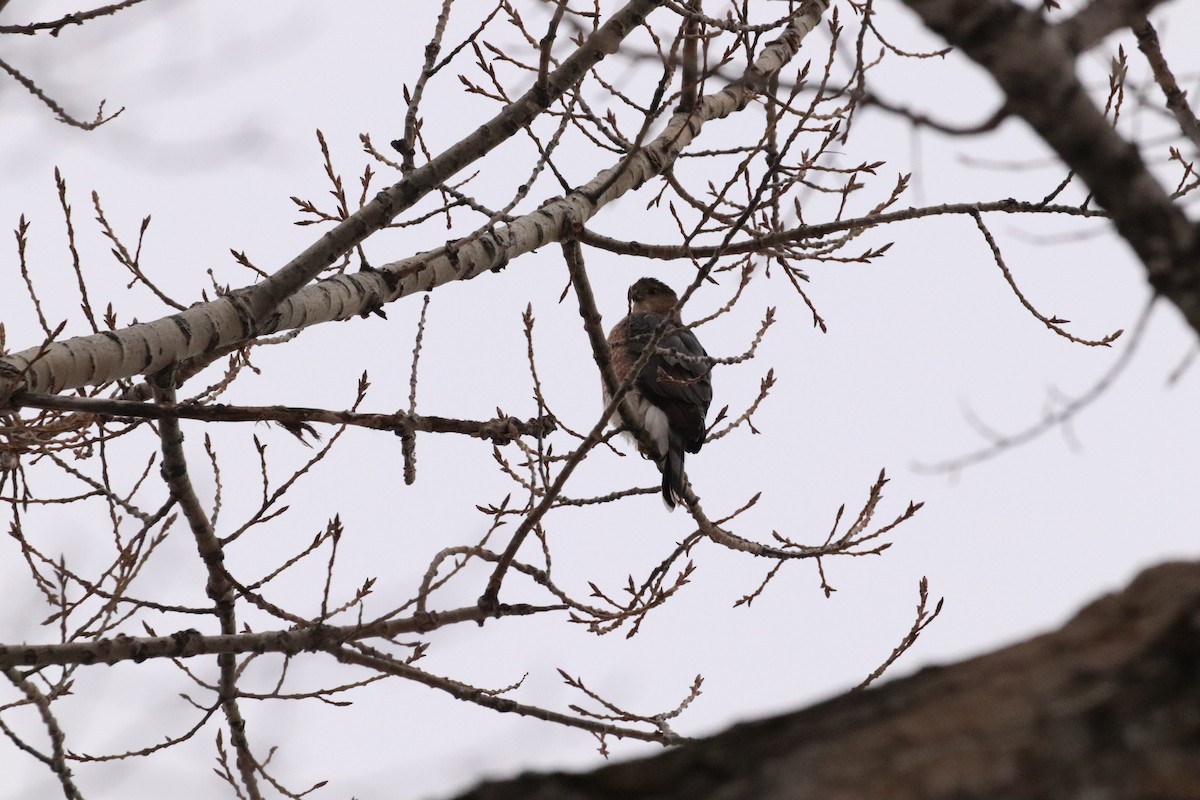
(148, 347)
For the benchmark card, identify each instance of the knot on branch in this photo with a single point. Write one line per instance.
(504, 430)
(186, 642)
(11, 382)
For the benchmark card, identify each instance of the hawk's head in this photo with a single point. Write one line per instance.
(649, 295)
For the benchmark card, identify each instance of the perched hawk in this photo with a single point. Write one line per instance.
(671, 395)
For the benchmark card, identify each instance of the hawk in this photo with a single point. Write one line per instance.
(671, 394)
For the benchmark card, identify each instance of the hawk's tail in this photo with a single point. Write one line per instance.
(673, 478)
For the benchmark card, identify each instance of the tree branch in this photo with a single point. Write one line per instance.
(243, 313)
(1035, 67)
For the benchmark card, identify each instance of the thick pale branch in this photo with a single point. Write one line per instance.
(242, 314)
(345, 296)
(142, 349)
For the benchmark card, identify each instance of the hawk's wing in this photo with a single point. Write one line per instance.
(677, 378)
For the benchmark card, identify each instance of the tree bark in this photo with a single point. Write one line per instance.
(1033, 63)
(1105, 708)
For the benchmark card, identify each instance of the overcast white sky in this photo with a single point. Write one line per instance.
(222, 99)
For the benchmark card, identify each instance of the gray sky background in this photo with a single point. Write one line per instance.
(222, 100)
